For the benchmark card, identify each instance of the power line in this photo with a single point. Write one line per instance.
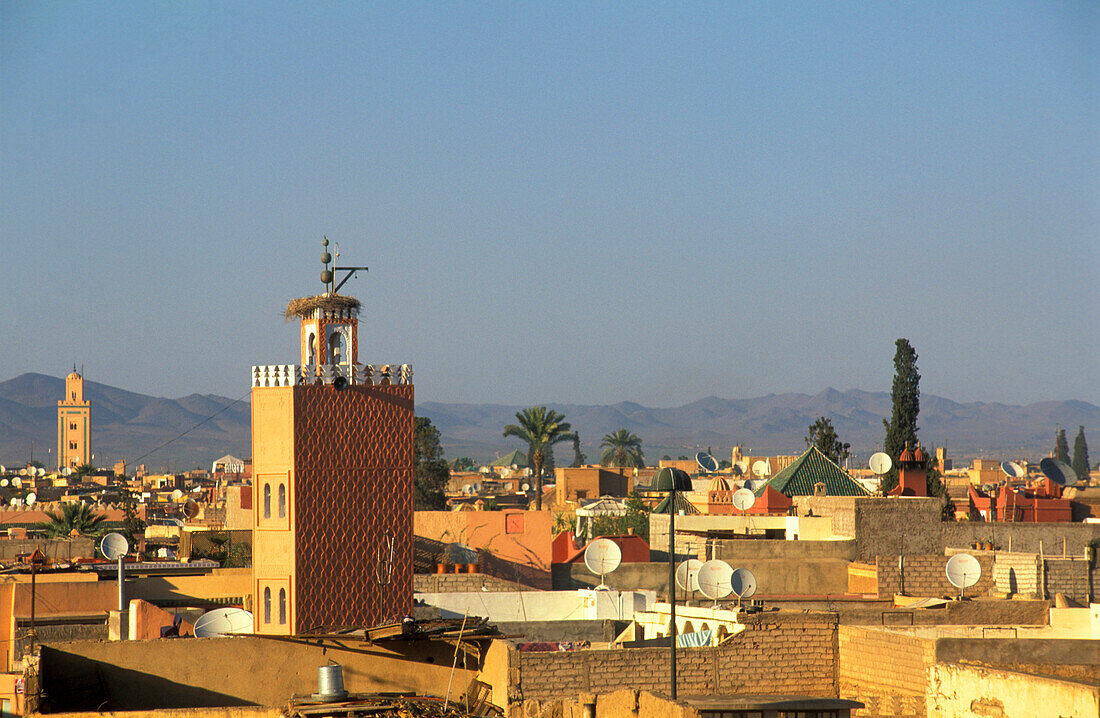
(185, 433)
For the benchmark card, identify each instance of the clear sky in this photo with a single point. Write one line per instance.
(574, 202)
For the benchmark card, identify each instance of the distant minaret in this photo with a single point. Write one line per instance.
(74, 424)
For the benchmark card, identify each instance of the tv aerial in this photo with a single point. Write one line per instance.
(223, 622)
(880, 462)
(743, 499)
(1058, 471)
(602, 557)
(706, 462)
(687, 575)
(743, 584)
(963, 571)
(714, 580)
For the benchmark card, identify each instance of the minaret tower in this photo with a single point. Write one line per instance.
(74, 424)
(332, 448)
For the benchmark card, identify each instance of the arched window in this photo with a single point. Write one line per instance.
(267, 501)
(267, 605)
(282, 606)
(311, 349)
(337, 348)
(282, 501)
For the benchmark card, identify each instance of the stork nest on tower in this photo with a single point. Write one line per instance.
(303, 307)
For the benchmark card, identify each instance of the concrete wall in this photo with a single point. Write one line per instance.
(540, 605)
(517, 543)
(63, 549)
(1023, 538)
(464, 583)
(197, 672)
(875, 522)
(961, 690)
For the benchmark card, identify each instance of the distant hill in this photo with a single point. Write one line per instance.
(126, 425)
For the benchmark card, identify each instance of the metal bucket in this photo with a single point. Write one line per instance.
(330, 682)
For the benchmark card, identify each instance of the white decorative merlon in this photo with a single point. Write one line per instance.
(353, 374)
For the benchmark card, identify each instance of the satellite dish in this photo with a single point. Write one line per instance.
(223, 622)
(602, 557)
(1012, 470)
(191, 509)
(743, 499)
(525, 487)
(743, 583)
(17, 482)
(752, 484)
(880, 462)
(14, 501)
(41, 471)
(740, 467)
(23, 472)
(4, 483)
(114, 545)
(714, 579)
(177, 495)
(706, 462)
(1059, 472)
(963, 571)
(3, 469)
(66, 471)
(759, 468)
(477, 488)
(31, 498)
(687, 574)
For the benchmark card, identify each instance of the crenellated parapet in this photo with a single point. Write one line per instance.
(348, 374)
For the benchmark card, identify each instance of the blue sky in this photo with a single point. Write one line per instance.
(558, 202)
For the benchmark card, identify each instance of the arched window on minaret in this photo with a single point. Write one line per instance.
(267, 501)
(337, 348)
(282, 605)
(312, 349)
(282, 501)
(267, 604)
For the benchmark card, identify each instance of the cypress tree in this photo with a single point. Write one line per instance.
(1081, 455)
(905, 395)
(1061, 446)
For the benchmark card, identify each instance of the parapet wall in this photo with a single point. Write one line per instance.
(925, 575)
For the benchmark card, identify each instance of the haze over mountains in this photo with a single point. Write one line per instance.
(127, 425)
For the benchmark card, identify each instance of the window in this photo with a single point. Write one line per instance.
(72, 426)
(282, 606)
(311, 349)
(267, 605)
(267, 502)
(72, 444)
(282, 501)
(336, 348)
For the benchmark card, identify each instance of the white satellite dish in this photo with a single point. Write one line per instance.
(687, 574)
(1012, 470)
(525, 487)
(880, 462)
(3, 469)
(66, 471)
(223, 622)
(743, 499)
(743, 583)
(602, 557)
(4, 483)
(177, 495)
(31, 498)
(14, 502)
(740, 467)
(41, 471)
(23, 472)
(714, 580)
(114, 545)
(963, 571)
(759, 467)
(17, 482)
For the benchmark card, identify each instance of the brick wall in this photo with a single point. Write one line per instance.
(463, 583)
(1016, 573)
(775, 654)
(1068, 576)
(924, 575)
(886, 670)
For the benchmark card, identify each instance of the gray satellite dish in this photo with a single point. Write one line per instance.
(759, 467)
(191, 509)
(880, 462)
(1059, 472)
(706, 462)
(752, 484)
(963, 571)
(31, 498)
(687, 574)
(714, 580)
(1012, 470)
(223, 622)
(602, 557)
(114, 545)
(743, 499)
(743, 583)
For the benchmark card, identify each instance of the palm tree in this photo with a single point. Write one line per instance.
(74, 516)
(622, 448)
(541, 428)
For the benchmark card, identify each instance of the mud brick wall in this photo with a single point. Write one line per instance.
(1068, 576)
(924, 575)
(463, 583)
(775, 654)
(1016, 573)
(886, 670)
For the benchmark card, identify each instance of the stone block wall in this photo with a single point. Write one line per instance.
(1016, 573)
(1068, 576)
(775, 654)
(886, 670)
(464, 583)
(924, 575)
(1055, 538)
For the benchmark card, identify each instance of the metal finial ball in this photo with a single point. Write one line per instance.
(324, 242)
(326, 258)
(326, 276)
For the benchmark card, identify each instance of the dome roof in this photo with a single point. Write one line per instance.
(906, 455)
(918, 455)
(662, 480)
(718, 483)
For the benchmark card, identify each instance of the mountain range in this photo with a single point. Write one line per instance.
(196, 429)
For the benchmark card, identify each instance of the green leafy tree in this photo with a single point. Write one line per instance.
(132, 526)
(1081, 456)
(73, 516)
(463, 463)
(666, 457)
(1061, 446)
(823, 436)
(635, 520)
(935, 486)
(83, 470)
(430, 472)
(724, 464)
(578, 455)
(901, 429)
(622, 448)
(540, 428)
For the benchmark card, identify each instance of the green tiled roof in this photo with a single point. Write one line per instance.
(516, 457)
(813, 467)
(682, 506)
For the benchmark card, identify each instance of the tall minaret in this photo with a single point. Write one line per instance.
(74, 424)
